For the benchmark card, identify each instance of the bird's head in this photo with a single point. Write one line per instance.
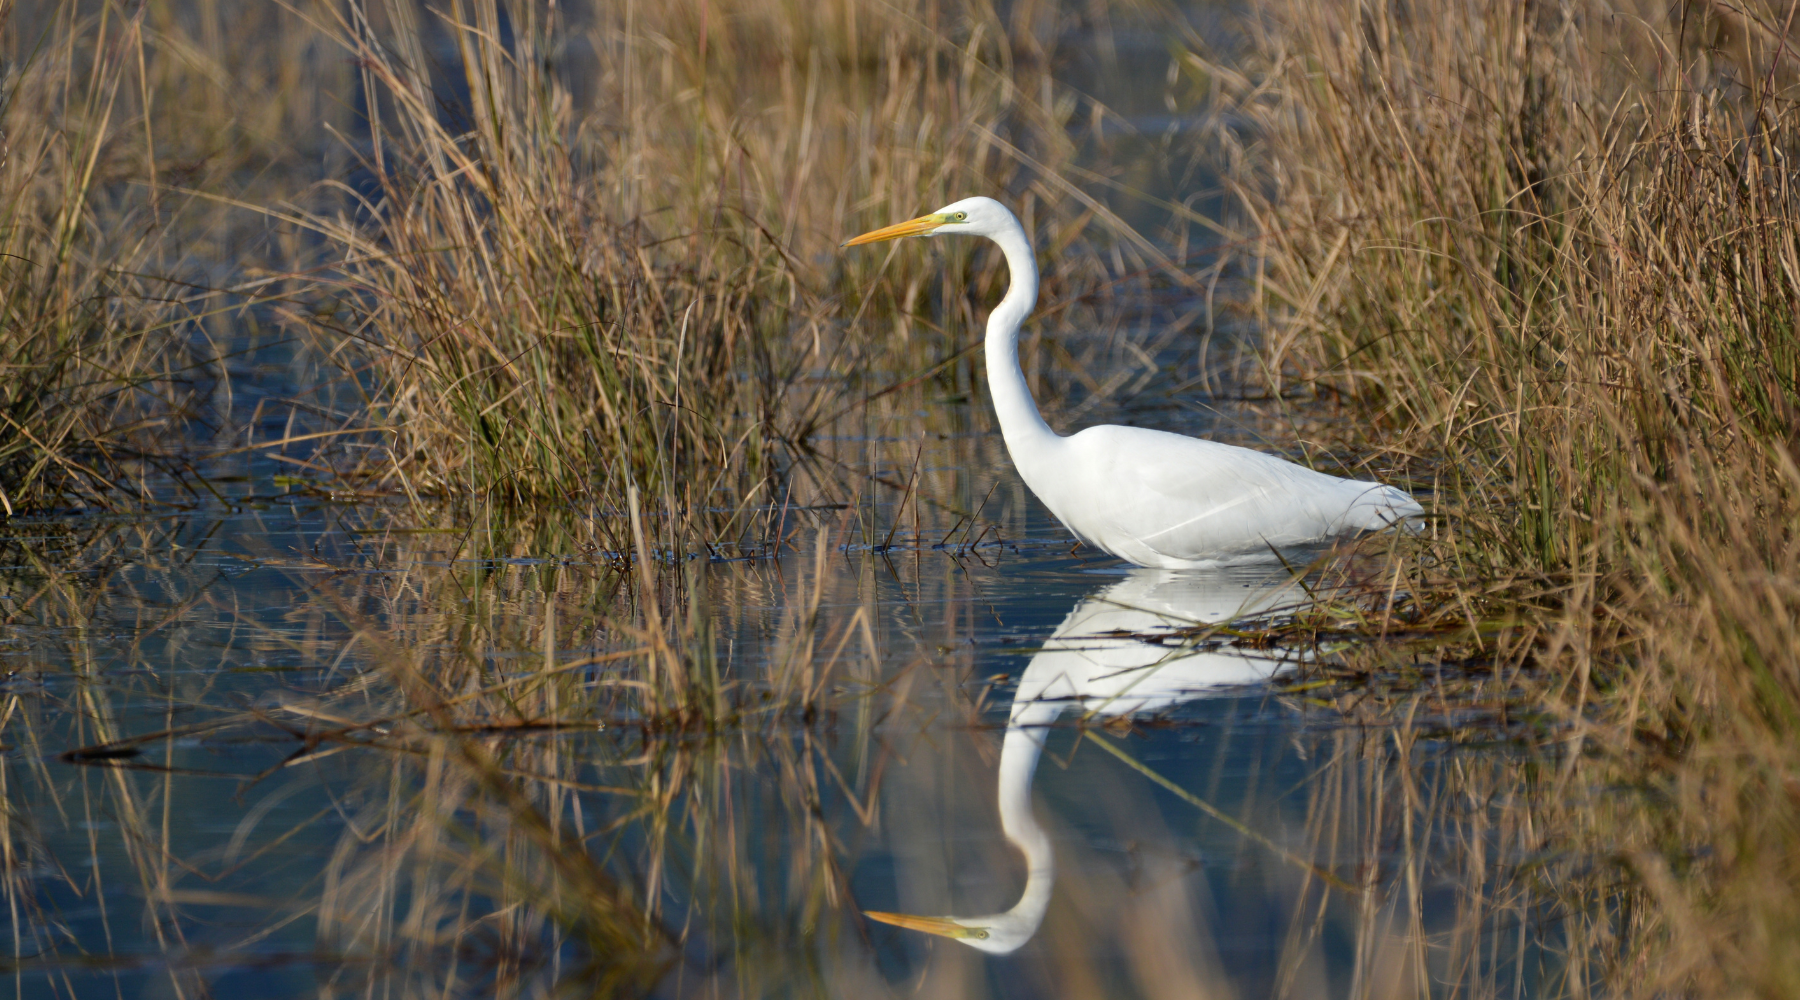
(969, 217)
(999, 934)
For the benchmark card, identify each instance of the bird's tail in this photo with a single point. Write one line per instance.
(1380, 506)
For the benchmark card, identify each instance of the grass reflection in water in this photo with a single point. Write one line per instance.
(401, 763)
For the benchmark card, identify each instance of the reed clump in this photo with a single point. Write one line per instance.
(132, 138)
(1548, 254)
(580, 284)
(93, 375)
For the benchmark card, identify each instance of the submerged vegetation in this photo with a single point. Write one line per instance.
(548, 297)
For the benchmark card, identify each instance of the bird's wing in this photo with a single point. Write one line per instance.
(1189, 498)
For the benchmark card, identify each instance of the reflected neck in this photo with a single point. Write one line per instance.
(1024, 744)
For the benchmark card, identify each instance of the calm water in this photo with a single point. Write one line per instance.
(256, 814)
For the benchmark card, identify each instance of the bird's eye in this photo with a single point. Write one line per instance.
(981, 934)
(960, 216)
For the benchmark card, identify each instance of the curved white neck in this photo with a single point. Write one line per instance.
(1025, 735)
(1020, 423)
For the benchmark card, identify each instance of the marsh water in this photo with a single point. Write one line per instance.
(218, 781)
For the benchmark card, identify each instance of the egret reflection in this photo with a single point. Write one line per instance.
(1104, 660)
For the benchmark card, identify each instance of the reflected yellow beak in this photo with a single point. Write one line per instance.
(921, 226)
(941, 926)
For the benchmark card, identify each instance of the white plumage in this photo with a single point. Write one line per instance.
(1150, 497)
(1097, 663)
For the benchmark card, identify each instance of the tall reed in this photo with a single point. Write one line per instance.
(1548, 253)
(91, 373)
(595, 252)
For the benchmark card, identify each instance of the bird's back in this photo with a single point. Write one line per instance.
(1162, 499)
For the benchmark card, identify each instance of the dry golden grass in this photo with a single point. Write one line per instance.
(583, 284)
(130, 135)
(1549, 256)
(91, 373)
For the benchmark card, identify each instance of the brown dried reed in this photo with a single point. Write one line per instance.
(1548, 252)
(91, 373)
(587, 285)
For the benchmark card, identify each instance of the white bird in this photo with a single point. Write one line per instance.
(1149, 497)
(1097, 662)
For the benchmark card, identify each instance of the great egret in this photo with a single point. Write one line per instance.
(1095, 663)
(1149, 497)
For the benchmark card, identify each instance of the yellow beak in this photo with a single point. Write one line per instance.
(921, 226)
(941, 926)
